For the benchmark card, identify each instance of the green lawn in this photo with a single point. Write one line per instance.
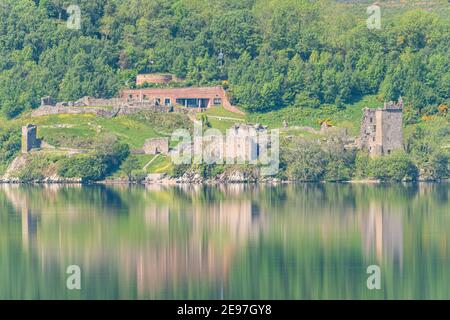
(348, 117)
(222, 112)
(221, 125)
(129, 130)
(221, 119)
(162, 164)
(74, 131)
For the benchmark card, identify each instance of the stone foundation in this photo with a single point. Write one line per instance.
(157, 145)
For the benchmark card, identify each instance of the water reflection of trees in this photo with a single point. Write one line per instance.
(154, 243)
(160, 239)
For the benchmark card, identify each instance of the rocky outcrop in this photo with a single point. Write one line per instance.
(15, 166)
(19, 163)
(232, 175)
(51, 179)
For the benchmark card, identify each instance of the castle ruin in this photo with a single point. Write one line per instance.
(381, 129)
(29, 138)
(156, 145)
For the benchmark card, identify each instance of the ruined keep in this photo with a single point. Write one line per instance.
(243, 143)
(29, 138)
(381, 129)
(157, 145)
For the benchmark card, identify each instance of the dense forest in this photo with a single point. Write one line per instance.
(269, 54)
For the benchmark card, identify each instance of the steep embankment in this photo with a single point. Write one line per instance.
(16, 165)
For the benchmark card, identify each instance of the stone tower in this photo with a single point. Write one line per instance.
(381, 129)
(29, 138)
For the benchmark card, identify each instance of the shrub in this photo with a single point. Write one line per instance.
(37, 167)
(111, 152)
(97, 165)
(304, 161)
(205, 121)
(138, 176)
(436, 166)
(9, 146)
(395, 167)
(362, 162)
(337, 170)
(340, 161)
(30, 176)
(217, 170)
(86, 167)
(179, 170)
(129, 165)
(424, 144)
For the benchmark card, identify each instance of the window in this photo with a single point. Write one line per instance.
(145, 97)
(373, 138)
(130, 96)
(217, 101)
(371, 119)
(167, 101)
(157, 101)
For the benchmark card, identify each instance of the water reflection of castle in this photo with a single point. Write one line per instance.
(216, 236)
(215, 232)
(194, 238)
(382, 233)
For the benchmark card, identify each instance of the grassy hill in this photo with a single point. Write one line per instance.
(80, 131)
(67, 133)
(348, 117)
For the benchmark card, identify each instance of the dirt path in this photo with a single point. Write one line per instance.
(227, 118)
(150, 162)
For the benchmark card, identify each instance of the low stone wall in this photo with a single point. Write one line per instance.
(96, 102)
(106, 111)
(50, 110)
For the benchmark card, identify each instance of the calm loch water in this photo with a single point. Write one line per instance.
(306, 241)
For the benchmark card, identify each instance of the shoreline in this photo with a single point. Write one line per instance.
(174, 182)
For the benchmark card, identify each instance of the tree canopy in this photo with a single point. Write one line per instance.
(276, 53)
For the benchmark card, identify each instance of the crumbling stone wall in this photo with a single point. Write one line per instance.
(381, 129)
(50, 110)
(156, 145)
(96, 102)
(101, 107)
(29, 138)
(47, 101)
